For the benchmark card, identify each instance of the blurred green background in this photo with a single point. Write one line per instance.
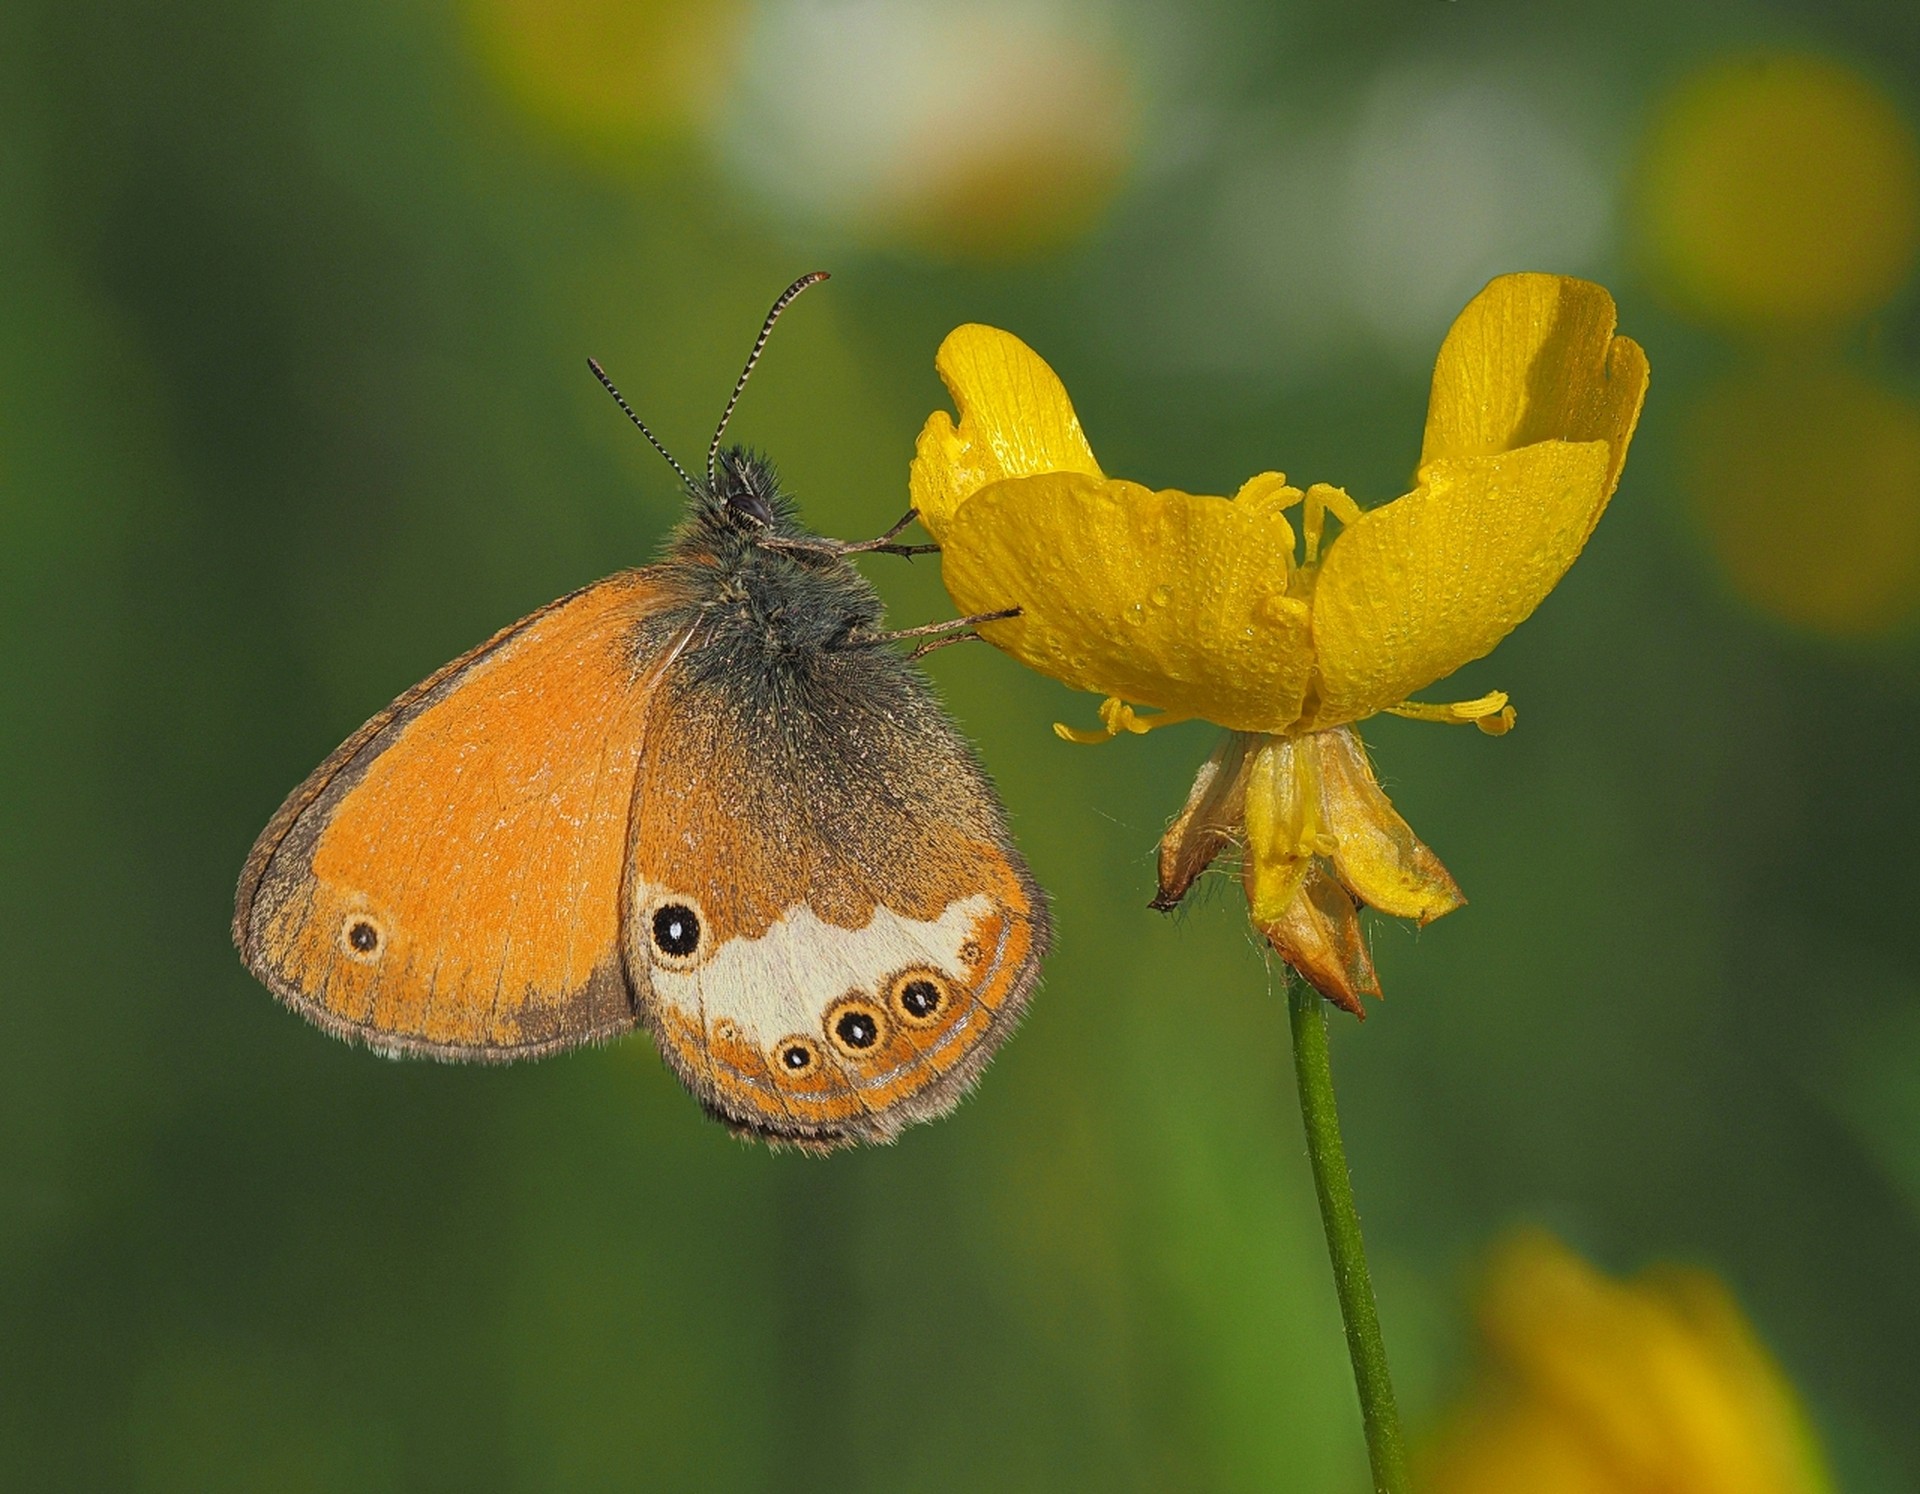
(294, 307)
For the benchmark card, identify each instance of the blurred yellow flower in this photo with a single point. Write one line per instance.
(1212, 608)
(1781, 191)
(1593, 1386)
(1803, 433)
(609, 74)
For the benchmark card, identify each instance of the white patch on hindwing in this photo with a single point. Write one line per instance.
(781, 984)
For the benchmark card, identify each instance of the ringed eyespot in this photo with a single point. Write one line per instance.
(362, 937)
(855, 1024)
(676, 931)
(919, 996)
(797, 1055)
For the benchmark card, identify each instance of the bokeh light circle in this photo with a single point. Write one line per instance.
(889, 123)
(1781, 190)
(1806, 478)
(609, 75)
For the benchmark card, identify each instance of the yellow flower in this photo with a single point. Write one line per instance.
(610, 75)
(1213, 608)
(1595, 1386)
(1795, 425)
(1779, 192)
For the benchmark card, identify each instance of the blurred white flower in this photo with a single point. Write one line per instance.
(1452, 179)
(1310, 236)
(990, 130)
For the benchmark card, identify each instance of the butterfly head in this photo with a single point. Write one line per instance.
(746, 491)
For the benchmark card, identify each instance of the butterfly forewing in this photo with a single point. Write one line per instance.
(448, 881)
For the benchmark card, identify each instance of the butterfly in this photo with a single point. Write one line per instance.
(709, 798)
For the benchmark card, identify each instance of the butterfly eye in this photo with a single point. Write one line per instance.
(362, 937)
(676, 930)
(855, 1025)
(919, 996)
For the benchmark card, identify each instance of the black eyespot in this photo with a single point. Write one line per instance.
(857, 1028)
(918, 995)
(796, 1058)
(361, 937)
(676, 930)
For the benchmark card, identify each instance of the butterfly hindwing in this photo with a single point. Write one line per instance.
(448, 882)
(823, 900)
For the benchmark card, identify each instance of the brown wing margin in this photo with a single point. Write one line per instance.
(447, 882)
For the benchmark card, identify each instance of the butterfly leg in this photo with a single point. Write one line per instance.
(940, 634)
(933, 643)
(884, 545)
(880, 545)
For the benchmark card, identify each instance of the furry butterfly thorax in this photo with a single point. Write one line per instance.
(765, 602)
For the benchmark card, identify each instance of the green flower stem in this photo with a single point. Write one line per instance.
(1332, 1182)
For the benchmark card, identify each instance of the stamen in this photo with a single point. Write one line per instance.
(1322, 499)
(1117, 716)
(1490, 713)
(1268, 490)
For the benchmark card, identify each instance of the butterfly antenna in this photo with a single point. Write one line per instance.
(601, 374)
(787, 298)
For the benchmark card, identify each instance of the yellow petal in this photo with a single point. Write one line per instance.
(1534, 358)
(1015, 421)
(1414, 589)
(1160, 598)
(1660, 1378)
(1379, 858)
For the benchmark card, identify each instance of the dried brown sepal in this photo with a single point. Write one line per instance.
(1319, 935)
(1212, 819)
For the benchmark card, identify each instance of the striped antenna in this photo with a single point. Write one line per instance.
(601, 374)
(787, 298)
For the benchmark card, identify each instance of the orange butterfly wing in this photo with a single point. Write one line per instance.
(830, 920)
(449, 881)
